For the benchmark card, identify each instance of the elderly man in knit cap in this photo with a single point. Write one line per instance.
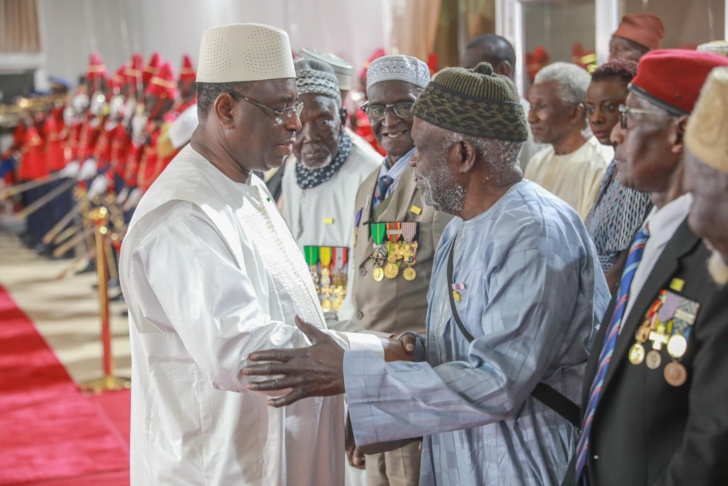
(706, 171)
(655, 372)
(516, 290)
(211, 273)
(636, 35)
(573, 165)
(320, 182)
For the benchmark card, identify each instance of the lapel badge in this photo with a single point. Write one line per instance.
(677, 284)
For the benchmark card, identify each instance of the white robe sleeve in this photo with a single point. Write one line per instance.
(187, 281)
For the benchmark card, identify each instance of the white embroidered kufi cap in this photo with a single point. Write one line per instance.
(398, 68)
(719, 47)
(244, 52)
(705, 134)
(318, 82)
(342, 69)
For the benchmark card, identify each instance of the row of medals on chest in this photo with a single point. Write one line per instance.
(399, 249)
(328, 271)
(672, 333)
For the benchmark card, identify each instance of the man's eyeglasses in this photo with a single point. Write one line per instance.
(280, 117)
(624, 111)
(376, 112)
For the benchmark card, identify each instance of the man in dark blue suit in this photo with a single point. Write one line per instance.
(655, 388)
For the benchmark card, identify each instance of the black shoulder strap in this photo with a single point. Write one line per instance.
(543, 392)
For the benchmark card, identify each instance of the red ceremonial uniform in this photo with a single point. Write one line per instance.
(55, 152)
(33, 163)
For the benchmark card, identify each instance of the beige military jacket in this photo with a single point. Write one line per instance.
(394, 305)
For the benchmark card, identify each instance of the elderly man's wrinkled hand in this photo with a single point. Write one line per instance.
(314, 371)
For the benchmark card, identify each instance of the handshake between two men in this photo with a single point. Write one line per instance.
(316, 370)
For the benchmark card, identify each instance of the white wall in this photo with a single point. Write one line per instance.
(70, 29)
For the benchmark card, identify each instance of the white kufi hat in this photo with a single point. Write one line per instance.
(398, 68)
(244, 52)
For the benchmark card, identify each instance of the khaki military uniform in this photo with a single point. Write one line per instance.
(394, 305)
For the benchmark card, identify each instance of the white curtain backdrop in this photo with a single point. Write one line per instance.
(70, 29)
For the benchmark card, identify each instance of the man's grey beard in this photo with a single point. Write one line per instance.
(718, 268)
(442, 192)
(326, 163)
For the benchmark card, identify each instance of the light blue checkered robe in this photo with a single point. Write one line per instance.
(533, 295)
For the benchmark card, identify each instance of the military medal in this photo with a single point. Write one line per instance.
(312, 256)
(409, 249)
(340, 259)
(380, 251)
(675, 374)
(393, 233)
(677, 345)
(325, 255)
(653, 359)
(636, 354)
(391, 270)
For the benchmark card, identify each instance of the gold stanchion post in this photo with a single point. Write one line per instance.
(100, 217)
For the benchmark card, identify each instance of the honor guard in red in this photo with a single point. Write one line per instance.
(159, 99)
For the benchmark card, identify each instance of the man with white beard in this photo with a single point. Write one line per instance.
(706, 171)
(320, 183)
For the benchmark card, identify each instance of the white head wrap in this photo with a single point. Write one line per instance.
(244, 52)
(398, 68)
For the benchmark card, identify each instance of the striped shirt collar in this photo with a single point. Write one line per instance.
(395, 172)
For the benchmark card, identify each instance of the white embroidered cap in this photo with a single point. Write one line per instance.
(244, 52)
(398, 68)
(342, 69)
(719, 47)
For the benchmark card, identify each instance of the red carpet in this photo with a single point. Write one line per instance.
(50, 433)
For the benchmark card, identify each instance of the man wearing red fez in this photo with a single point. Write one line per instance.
(636, 35)
(33, 166)
(655, 384)
(159, 99)
(150, 70)
(187, 91)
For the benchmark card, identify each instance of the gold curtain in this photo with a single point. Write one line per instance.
(477, 16)
(414, 26)
(19, 26)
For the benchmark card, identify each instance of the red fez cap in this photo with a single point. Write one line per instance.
(644, 29)
(133, 68)
(163, 84)
(96, 68)
(187, 73)
(152, 67)
(672, 78)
